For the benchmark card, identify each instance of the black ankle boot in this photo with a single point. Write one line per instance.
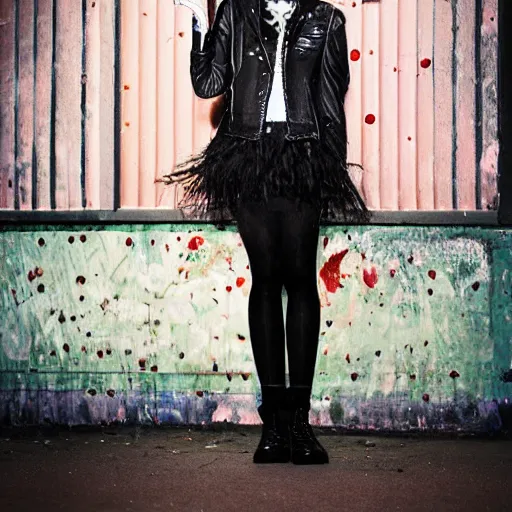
(274, 445)
(305, 447)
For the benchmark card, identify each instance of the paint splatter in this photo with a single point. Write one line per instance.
(84, 349)
(228, 288)
(142, 363)
(369, 119)
(410, 259)
(430, 291)
(425, 397)
(195, 243)
(425, 63)
(326, 350)
(475, 286)
(111, 393)
(62, 318)
(182, 355)
(378, 353)
(129, 242)
(31, 276)
(154, 368)
(432, 274)
(80, 280)
(229, 376)
(200, 394)
(100, 354)
(355, 55)
(354, 376)
(329, 323)
(425, 343)
(412, 377)
(65, 347)
(454, 374)
(370, 278)
(392, 272)
(326, 241)
(71, 239)
(347, 358)
(109, 351)
(127, 352)
(83, 238)
(330, 272)
(53, 353)
(240, 281)
(215, 367)
(39, 271)
(40, 288)
(41, 242)
(91, 392)
(245, 376)
(241, 337)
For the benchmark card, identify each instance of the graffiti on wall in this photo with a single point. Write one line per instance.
(151, 322)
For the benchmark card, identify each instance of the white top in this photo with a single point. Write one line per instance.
(281, 11)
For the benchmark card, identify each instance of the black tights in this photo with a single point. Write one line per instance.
(281, 239)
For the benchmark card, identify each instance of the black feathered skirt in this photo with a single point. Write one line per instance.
(231, 170)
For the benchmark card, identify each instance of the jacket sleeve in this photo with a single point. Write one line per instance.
(334, 82)
(210, 67)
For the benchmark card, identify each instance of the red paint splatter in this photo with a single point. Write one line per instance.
(111, 393)
(347, 358)
(154, 368)
(355, 55)
(326, 351)
(330, 272)
(84, 349)
(247, 267)
(425, 397)
(229, 376)
(80, 280)
(432, 274)
(409, 138)
(425, 63)
(363, 256)
(178, 238)
(126, 87)
(328, 398)
(369, 119)
(65, 347)
(353, 4)
(395, 69)
(100, 354)
(370, 278)
(241, 337)
(371, 52)
(228, 288)
(83, 238)
(326, 241)
(39, 271)
(454, 374)
(129, 242)
(195, 243)
(167, 247)
(354, 376)
(41, 242)
(152, 242)
(142, 363)
(245, 376)
(31, 276)
(200, 394)
(71, 239)
(392, 272)
(475, 286)
(240, 281)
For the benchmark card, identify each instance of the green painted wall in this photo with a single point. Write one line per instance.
(149, 323)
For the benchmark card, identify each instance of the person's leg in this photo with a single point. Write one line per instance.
(260, 232)
(300, 224)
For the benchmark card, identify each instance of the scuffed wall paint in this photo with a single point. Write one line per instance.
(149, 324)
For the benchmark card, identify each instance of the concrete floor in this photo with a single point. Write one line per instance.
(133, 469)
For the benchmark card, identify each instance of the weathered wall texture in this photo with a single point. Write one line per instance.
(149, 323)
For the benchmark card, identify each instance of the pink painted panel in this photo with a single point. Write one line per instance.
(130, 132)
(389, 105)
(25, 103)
(7, 95)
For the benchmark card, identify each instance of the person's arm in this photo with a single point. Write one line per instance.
(334, 82)
(210, 67)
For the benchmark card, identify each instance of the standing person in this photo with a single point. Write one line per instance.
(277, 164)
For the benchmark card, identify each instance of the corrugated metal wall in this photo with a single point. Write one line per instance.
(422, 105)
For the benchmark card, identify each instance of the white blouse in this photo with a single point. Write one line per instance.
(281, 11)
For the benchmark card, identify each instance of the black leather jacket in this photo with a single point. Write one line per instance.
(238, 61)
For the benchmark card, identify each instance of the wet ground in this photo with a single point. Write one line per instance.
(135, 469)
